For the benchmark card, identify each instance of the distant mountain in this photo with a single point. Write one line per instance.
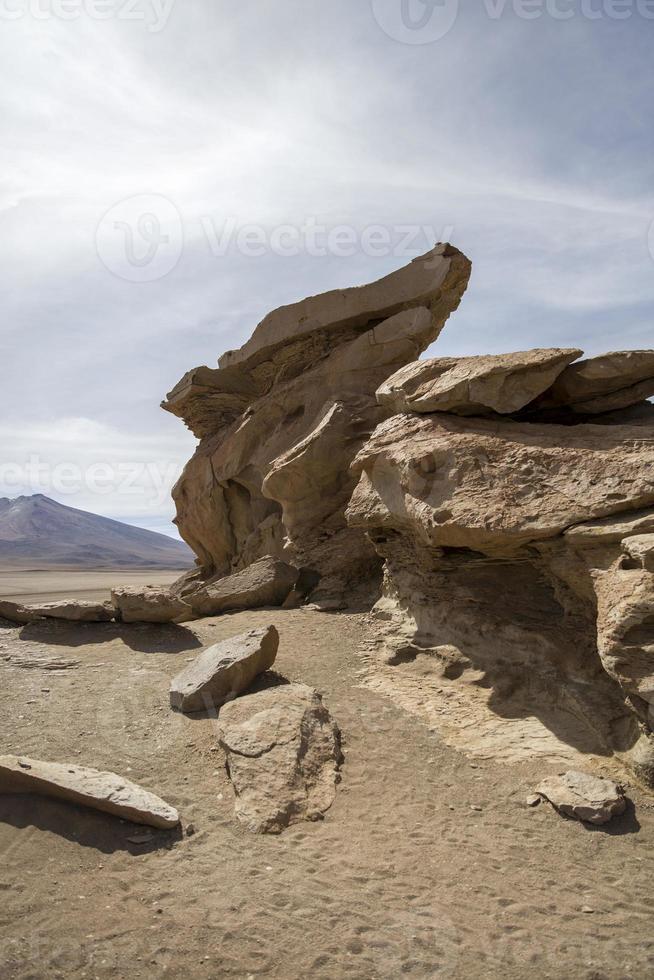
(38, 532)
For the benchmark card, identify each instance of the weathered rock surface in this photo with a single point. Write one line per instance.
(149, 605)
(508, 500)
(584, 797)
(603, 384)
(74, 611)
(283, 755)
(502, 383)
(266, 582)
(281, 420)
(87, 787)
(224, 670)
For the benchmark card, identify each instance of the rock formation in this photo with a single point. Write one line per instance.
(281, 419)
(508, 498)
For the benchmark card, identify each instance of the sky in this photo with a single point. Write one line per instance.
(174, 169)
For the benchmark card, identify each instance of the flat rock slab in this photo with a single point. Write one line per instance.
(502, 383)
(266, 582)
(15, 612)
(283, 755)
(73, 611)
(149, 605)
(604, 383)
(584, 797)
(225, 670)
(86, 787)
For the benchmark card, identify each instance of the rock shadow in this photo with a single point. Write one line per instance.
(142, 637)
(81, 825)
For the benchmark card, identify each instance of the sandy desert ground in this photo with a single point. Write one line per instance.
(32, 585)
(401, 879)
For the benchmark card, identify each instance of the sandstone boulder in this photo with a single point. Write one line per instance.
(149, 605)
(16, 612)
(283, 755)
(266, 582)
(502, 383)
(86, 787)
(584, 797)
(224, 670)
(603, 384)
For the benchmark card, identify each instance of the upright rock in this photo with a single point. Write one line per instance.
(283, 755)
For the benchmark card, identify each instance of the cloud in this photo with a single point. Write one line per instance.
(527, 141)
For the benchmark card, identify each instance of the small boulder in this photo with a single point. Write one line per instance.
(149, 605)
(283, 755)
(267, 582)
(223, 671)
(584, 797)
(86, 787)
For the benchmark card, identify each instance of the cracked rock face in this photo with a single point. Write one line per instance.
(283, 754)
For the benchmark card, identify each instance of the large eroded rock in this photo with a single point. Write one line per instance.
(281, 420)
(87, 787)
(70, 610)
(283, 755)
(502, 383)
(224, 670)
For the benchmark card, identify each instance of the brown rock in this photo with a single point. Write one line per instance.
(266, 582)
(584, 797)
(87, 787)
(640, 548)
(502, 383)
(149, 605)
(223, 671)
(283, 755)
(74, 611)
(603, 384)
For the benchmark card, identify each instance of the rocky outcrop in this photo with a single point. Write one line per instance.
(283, 754)
(86, 787)
(282, 418)
(584, 797)
(225, 670)
(508, 499)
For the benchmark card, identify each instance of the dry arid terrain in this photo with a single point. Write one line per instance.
(49, 585)
(430, 863)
